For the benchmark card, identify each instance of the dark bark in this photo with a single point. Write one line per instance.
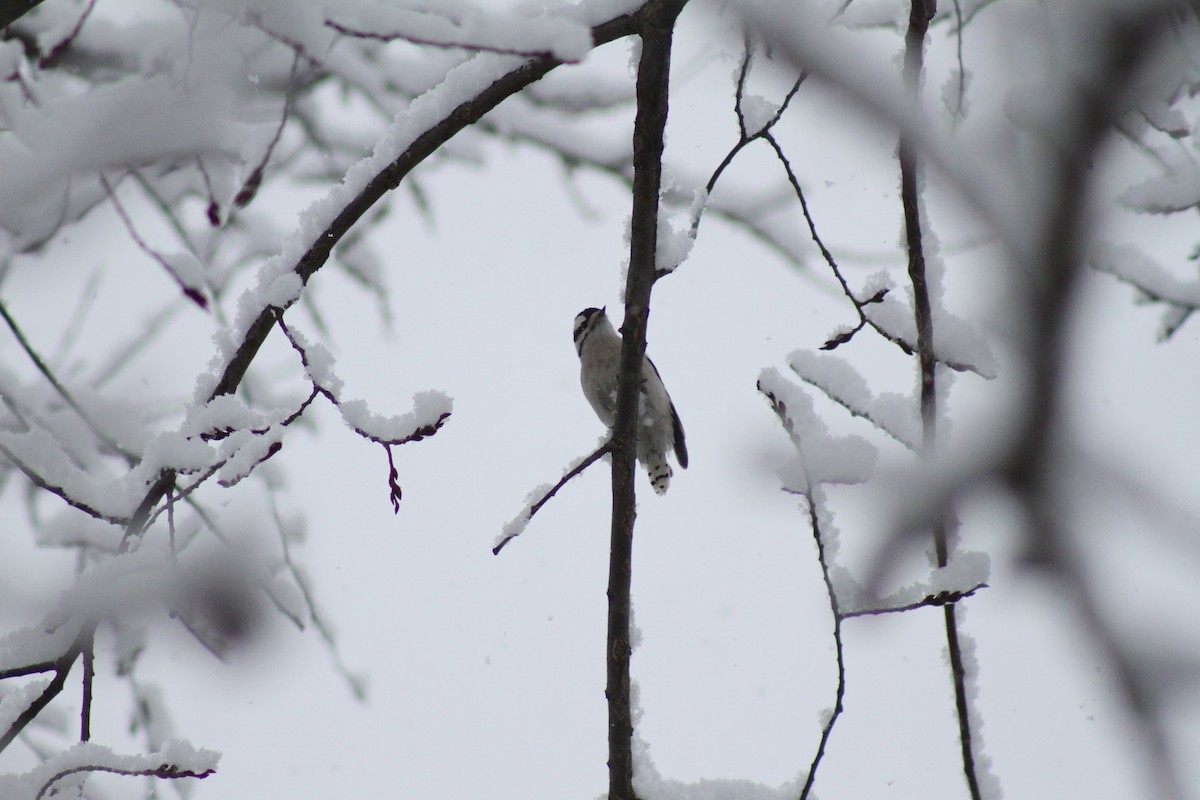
(13, 10)
(388, 178)
(658, 20)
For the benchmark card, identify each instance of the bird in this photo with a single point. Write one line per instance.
(658, 427)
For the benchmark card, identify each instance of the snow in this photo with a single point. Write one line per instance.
(650, 785)
(820, 458)
(954, 93)
(35, 645)
(894, 414)
(966, 570)
(955, 342)
(223, 413)
(1176, 188)
(277, 285)
(176, 755)
(65, 139)
(41, 453)
(675, 239)
(319, 364)
(516, 526)
(484, 617)
(14, 701)
(1133, 265)
(465, 25)
(243, 450)
(171, 450)
(757, 111)
(428, 408)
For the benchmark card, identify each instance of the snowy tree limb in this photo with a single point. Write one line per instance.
(514, 528)
(934, 600)
(165, 771)
(389, 178)
(62, 669)
(657, 24)
(813, 498)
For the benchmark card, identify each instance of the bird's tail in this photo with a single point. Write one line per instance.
(660, 475)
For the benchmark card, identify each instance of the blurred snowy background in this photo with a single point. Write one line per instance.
(433, 668)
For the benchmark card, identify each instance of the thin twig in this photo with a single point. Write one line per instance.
(814, 518)
(940, 599)
(58, 49)
(166, 771)
(324, 630)
(254, 180)
(45, 485)
(67, 397)
(193, 294)
(541, 501)
(89, 674)
(441, 45)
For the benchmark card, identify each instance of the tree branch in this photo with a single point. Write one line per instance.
(13, 10)
(946, 598)
(165, 771)
(62, 668)
(387, 179)
(814, 519)
(657, 29)
(536, 506)
(920, 12)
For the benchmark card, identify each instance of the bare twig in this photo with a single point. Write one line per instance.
(811, 498)
(67, 397)
(940, 599)
(324, 630)
(254, 180)
(166, 771)
(441, 45)
(50, 57)
(394, 492)
(59, 491)
(193, 294)
(536, 506)
(89, 674)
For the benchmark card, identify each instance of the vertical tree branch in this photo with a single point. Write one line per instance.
(839, 649)
(914, 56)
(89, 674)
(658, 20)
(1053, 275)
(920, 12)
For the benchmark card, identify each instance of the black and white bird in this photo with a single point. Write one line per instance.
(658, 426)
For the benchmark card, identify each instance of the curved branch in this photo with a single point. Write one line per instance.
(387, 179)
(163, 771)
